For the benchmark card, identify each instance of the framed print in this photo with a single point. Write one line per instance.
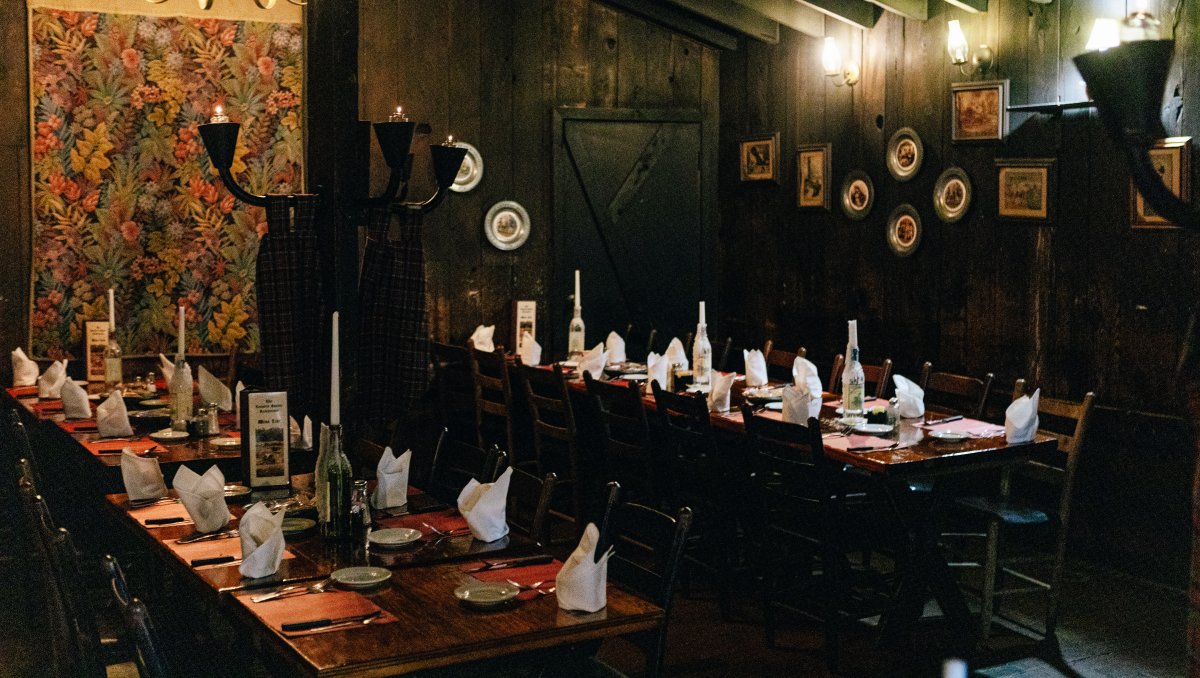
(979, 111)
(1172, 159)
(904, 154)
(96, 334)
(952, 195)
(759, 157)
(1024, 191)
(524, 320)
(266, 438)
(858, 195)
(470, 172)
(904, 230)
(506, 225)
(813, 171)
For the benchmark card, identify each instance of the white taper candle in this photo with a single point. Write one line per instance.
(577, 302)
(335, 418)
(182, 330)
(702, 322)
(853, 342)
(112, 313)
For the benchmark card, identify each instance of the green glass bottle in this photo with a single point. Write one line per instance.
(334, 513)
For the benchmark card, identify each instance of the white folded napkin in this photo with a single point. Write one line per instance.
(482, 338)
(718, 394)
(615, 346)
(1021, 418)
(25, 371)
(142, 476)
(530, 351)
(391, 489)
(261, 533)
(112, 420)
(582, 583)
(484, 505)
(213, 391)
(237, 402)
(203, 496)
(756, 367)
(656, 369)
(805, 396)
(676, 355)
(50, 383)
(301, 437)
(594, 361)
(910, 398)
(168, 370)
(75, 401)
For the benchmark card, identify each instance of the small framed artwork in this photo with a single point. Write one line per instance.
(979, 111)
(858, 195)
(524, 320)
(904, 154)
(96, 334)
(952, 195)
(813, 163)
(1025, 188)
(1172, 159)
(904, 230)
(759, 158)
(266, 438)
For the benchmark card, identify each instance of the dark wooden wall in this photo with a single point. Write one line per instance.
(15, 229)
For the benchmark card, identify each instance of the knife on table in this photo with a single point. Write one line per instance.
(219, 560)
(164, 521)
(323, 623)
(947, 420)
(192, 539)
(515, 562)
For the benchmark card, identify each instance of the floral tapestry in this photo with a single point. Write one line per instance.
(124, 194)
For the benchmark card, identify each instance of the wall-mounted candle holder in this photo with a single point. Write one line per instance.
(220, 139)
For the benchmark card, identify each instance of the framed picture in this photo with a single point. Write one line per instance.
(979, 111)
(506, 225)
(813, 163)
(858, 195)
(524, 320)
(952, 195)
(96, 334)
(904, 154)
(266, 439)
(904, 230)
(1025, 188)
(1172, 159)
(759, 158)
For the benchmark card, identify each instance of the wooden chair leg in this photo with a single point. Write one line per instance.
(988, 589)
(1056, 575)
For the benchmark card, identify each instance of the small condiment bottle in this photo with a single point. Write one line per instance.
(151, 383)
(214, 422)
(200, 421)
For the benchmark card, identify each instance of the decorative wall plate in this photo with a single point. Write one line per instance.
(952, 195)
(904, 230)
(470, 173)
(858, 195)
(904, 154)
(506, 225)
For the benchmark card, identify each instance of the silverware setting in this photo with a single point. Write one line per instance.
(140, 503)
(872, 449)
(293, 591)
(192, 539)
(535, 587)
(352, 620)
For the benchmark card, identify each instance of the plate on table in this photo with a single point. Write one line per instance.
(294, 526)
(776, 406)
(635, 376)
(568, 365)
(949, 435)
(236, 491)
(154, 402)
(394, 538)
(169, 435)
(225, 442)
(866, 427)
(763, 394)
(360, 577)
(486, 595)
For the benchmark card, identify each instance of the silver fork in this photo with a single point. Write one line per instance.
(294, 590)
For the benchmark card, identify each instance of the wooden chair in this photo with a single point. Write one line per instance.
(629, 453)
(529, 504)
(957, 393)
(149, 658)
(878, 377)
(493, 400)
(555, 437)
(720, 355)
(639, 341)
(454, 389)
(780, 362)
(1013, 507)
(455, 463)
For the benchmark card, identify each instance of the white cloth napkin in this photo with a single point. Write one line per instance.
(756, 367)
(594, 361)
(482, 338)
(531, 351)
(142, 476)
(301, 437)
(25, 371)
(75, 401)
(485, 506)
(50, 384)
(615, 346)
(168, 370)
(112, 420)
(237, 402)
(203, 496)
(582, 583)
(805, 396)
(213, 391)
(910, 398)
(1021, 419)
(656, 370)
(676, 355)
(261, 533)
(391, 473)
(718, 394)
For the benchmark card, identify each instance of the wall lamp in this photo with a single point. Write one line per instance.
(831, 60)
(956, 46)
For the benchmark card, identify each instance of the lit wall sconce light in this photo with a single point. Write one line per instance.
(960, 54)
(831, 60)
(1106, 33)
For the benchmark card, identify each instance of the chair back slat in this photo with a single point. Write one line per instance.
(493, 398)
(780, 362)
(695, 471)
(150, 660)
(628, 450)
(454, 464)
(958, 393)
(529, 504)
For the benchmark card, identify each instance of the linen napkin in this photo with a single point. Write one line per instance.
(530, 351)
(1021, 418)
(718, 393)
(656, 369)
(756, 367)
(615, 346)
(75, 401)
(142, 476)
(484, 505)
(676, 355)
(237, 403)
(112, 420)
(203, 496)
(805, 373)
(799, 405)
(50, 383)
(582, 583)
(301, 437)
(25, 371)
(594, 361)
(213, 391)
(910, 398)
(261, 534)
(168, 370)
(482, 338)
(391, 489)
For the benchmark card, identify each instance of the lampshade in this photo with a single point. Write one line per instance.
(956, 43)
(1127, 84)
(1106, 33)
(831, 57)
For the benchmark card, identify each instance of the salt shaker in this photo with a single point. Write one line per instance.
(214, 423)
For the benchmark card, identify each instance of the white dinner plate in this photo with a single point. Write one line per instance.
(395, 537)
(568, 364)
(360, 577)
(154, 402)
(949, 435)
(636, 376)
(225, 442)
(776, 406)
(168, 435)
(873, 428)
(486, 595)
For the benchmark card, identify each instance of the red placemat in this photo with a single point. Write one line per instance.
(543, 576)
(23, 391)
(78, 425)
(138, 447)
(845, 443)
(160, 511)
(328, 605)
(213, 548)
(445, 521)
(972, 427)
(44, 406)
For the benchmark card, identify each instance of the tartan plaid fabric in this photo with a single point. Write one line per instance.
(393, 355)
(288, 287)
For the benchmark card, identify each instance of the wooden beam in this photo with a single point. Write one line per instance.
(679, 20)
(803, 17)
(854, 12)
(972, 6)
(911, 9)
(732, 15)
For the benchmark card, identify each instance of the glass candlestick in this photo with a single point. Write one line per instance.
(218, 115)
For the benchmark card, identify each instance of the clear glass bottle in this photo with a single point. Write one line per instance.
(113, 366)
(181, 394)
(360, 512)
(575, 338)
(702, 358)
(335, 519)
(854, 386)
(151, 383)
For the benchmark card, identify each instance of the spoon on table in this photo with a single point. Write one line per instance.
(293, 590)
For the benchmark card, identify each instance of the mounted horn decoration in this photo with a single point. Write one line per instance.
(220, 138)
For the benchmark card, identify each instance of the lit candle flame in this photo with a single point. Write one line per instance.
(219, 114)
(450, 140)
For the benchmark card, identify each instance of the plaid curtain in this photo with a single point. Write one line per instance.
(393, 350)
(290, 308)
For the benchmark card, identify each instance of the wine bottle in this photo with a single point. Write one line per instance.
(113, 367)
(335, 518)
(575, 336)
(181, 394)
(853, 380)
(702, 355)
